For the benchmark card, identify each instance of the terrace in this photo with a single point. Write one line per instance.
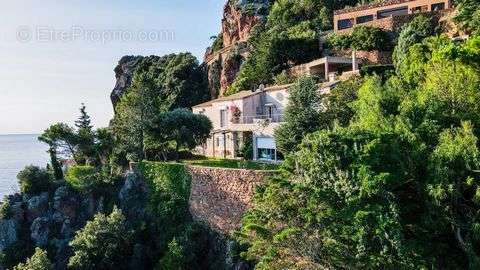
(381, 14)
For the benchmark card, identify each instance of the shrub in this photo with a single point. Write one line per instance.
(39, 261)
(83, 178)
(174, 259)
(34, 180)
(104, 243)
(284, 78)
(362, 38)
(170, 191)
(301, 115)
(5, 209)
(217, 43)
(413, 32)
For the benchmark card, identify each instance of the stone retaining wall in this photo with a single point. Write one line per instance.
(219, 196)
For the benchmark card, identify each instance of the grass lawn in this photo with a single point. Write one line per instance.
(234, 164)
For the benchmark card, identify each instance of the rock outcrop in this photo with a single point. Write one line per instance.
(223, 64)
(124, 72)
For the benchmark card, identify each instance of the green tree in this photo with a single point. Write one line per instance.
(338, 102)
(289, 37)
(302, 115)
(362, 38)
(413, 32)
(83, 178)
(160, 84)
(104, 144)
(455, 189)
(83, 122)
(469, 15)
(104, 243)
(395, 188)
(33, 180)
(85, 137)
(174, 259)
(182, 127)
(62, 140)
(38, 261)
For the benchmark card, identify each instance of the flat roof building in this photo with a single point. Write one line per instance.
(380, 14)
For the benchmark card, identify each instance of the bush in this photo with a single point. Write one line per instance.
(34, 180)
(217, 44)
(174, 259)
(284, 78)
(104, 243)
(5, 209)
(376, 69)
(413, 32)
(39, 261)
(247, 150)
(83, 178)
(362, 38)
(170, 191)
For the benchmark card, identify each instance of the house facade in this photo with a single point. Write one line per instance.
(251, 117)
(387, 14)
(245, 117)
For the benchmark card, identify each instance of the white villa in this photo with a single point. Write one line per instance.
(246, 115)
(254, 115)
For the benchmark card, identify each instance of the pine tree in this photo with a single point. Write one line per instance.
(83, 122)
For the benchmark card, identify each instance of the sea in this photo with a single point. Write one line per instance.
(16, 152)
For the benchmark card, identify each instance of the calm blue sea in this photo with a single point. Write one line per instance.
(16, 152)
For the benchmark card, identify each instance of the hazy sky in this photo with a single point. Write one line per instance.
(55, 55)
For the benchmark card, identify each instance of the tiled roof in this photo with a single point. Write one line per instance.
(242, 95)
(371, 5)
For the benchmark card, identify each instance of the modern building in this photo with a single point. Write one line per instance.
(383, 14)
(327, 68)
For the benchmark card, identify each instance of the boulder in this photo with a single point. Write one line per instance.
(133, 196)
(40, 230)
(65, 205)
(37, 206)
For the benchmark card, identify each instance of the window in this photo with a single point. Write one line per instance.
(364, 19)
(266, 154)
(420, 9)
(344, 24)
(218, 142)
(438, 6)
(392, 12)
(223, 118)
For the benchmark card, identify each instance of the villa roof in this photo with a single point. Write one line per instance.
(370, 6)
(242, 95)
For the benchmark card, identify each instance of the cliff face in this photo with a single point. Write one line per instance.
(124, 72)
(223, 64)
(239, 17)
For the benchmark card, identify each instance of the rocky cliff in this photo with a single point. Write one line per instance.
(223, 60)
(47, 220)
(124, 72)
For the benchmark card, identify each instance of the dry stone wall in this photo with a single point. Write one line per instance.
(219, 196)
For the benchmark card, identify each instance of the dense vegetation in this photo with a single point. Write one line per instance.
(152, 121)
(362, 38)
(288, 37)
(160, 85)
(381, 173)
(392, 181)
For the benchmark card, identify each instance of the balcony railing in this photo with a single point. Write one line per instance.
(273, 118)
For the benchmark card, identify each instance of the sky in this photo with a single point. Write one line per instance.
(55, 55)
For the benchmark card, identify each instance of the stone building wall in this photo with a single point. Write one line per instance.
(219, 196)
